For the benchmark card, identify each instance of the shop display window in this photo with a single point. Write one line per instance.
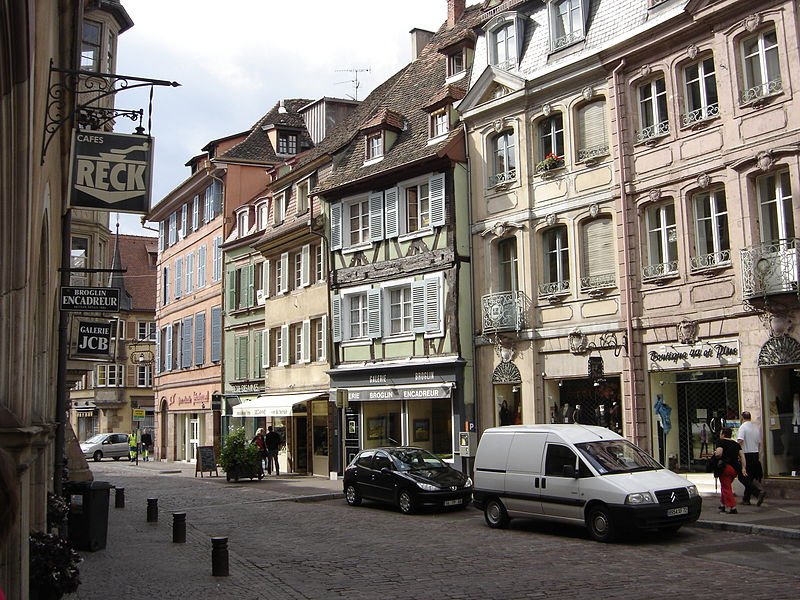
(581, 401)
(781, 422)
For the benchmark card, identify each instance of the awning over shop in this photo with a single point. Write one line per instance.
(274, 405)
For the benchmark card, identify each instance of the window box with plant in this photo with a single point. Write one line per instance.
(550, 162)
(240, 458)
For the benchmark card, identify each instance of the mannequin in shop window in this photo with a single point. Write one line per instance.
(505, 414)
(703, 441)
(576, 414)
(715, 425)
(565, 412)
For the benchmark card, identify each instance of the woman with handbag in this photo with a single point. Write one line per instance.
(731, 463)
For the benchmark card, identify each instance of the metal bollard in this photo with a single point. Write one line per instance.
(152, 510)
(179, 528)
(119, 497)
(219, 556)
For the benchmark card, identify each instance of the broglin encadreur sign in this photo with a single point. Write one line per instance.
(111, 171)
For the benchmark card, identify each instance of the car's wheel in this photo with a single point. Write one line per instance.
(352, 496)
(406, 502)
(601, 525)
(97, 456)
(116, 458)
(495, 514)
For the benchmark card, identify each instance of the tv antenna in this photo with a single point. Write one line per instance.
(356, 83)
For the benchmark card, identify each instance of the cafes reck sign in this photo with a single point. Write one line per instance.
(111, 171)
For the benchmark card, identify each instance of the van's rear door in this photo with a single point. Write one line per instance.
(524, 474)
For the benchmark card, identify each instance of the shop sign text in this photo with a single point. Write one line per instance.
(704, 354)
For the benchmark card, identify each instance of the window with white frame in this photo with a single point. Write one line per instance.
(110, 375)
(567, 23)
(712, 241)
(216, 274)
(118, 329)
(279, 203)
(762, 68)
(599, 258)
(701, 91)
(358, 218)
(297, 344)
(503, 45)
(374, 145)
(418, 207)
(556, 262)
(287, 143)
(319, 331)
(551, 142)
(357, 316)
(262, 212)
(775, 206)
(503, 153)
(455, 63)
(79, 259)
(189, 272)
(196, 213)
(297, 267)
(146, 330)
(302, 191)
(507, 255)
(178, 277)
(184, 222)
(319, 263)
(400, 314)
(242, 221)
(165, 297)
(653, 118)
(281, 357)
(173, 229)
(592, 135)
(144, 376)
(440, 122)
(90, 45)
(662, 241)
(201, 266)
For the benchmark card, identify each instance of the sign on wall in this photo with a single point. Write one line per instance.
(705, 354)
(111, 171)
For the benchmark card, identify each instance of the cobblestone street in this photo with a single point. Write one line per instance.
(322, 549)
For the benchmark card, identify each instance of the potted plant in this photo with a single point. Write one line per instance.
(57, 510)
(239, 457)
(53, 566)
(551, 161)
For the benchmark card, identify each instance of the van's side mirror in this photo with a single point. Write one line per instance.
(569, 471)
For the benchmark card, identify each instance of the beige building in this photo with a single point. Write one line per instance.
(634, 225)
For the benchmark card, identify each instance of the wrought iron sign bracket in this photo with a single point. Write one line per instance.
(65, 85)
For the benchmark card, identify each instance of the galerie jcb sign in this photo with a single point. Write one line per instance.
(111, 171)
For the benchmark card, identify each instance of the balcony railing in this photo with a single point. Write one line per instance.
(653, 131)
(597, 283)
(660, 271)
(504, 177)
(771, 268)
(592, 152)
(701, 114)
(761, 90)
(714, 260)
(567, 39)
(504, 311)
(554, 289)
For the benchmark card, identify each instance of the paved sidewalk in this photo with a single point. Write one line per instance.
(775, 517)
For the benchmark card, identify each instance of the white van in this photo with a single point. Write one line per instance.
(578, 474)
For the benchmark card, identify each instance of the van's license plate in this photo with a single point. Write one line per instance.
(452, 502)
(674, 512)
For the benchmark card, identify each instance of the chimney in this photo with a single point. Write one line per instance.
(455, 9)
(419, 39)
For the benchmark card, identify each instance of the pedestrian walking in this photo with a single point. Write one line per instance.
(273, 442)
(749, 438)
(732, 465)
(133, 442)
(147, 443)
(258, 440)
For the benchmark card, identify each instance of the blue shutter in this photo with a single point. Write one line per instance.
(375, 216)
(186, 351)
(168, 350)
(336, 226)
(216, 333)
(336, 318)
(199, 338)
(178, 277)
(436, 191)
(158, 352)
(391, 198)
(374, 313)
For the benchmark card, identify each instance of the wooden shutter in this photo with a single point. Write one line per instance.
(158, 352)
(391, 199)
(265, 278)
(336, 318)
(305, 265)
(284, 282)
(284, 345)
(178, 277)
(216, 334)
(374, 313)
(186, 342)
(199, 338)
(249, 270)
(305, 351)
(168, 349)
(323, 355)
(232, 290)
(375, 216)
(336, 226)
(418, 306)
(265, 349)
(433, 299)
(436, 191)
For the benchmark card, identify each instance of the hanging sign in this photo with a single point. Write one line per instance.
(94, 339)
(89, 299)
(111, 171)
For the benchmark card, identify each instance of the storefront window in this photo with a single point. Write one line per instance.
(321, 435)
(589, 402)
(781, 422)
(428, 425)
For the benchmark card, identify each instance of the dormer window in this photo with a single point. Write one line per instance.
(279, 203)
(242, 221)
(440, 122)
(505, 34)
(566, 17)
(261, 215)
(287, 143)
(455, 63)
(374, 145)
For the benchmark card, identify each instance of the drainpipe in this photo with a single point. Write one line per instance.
(627, 274)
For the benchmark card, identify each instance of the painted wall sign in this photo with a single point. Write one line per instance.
(717, 353)
(88, 299)
(399, 393)
(111, 171)
(94, 339)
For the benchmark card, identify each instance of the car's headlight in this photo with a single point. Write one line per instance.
(692, 491)
(427, 487)
(639, 498)
(468, 482)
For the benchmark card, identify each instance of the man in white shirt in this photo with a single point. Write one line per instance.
(749, 438)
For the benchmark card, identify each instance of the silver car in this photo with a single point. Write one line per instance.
(106, 445)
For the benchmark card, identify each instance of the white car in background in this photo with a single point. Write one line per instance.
(106, 445)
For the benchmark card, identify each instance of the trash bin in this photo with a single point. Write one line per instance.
(88, 514)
